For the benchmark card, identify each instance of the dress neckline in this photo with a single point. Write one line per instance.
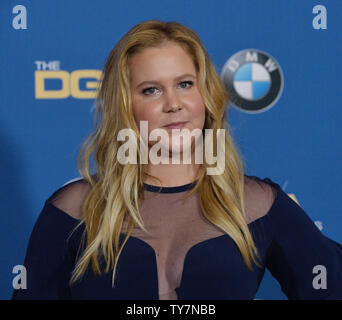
(176, 189)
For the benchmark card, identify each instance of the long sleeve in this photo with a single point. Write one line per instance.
(306, 263)
(47, 262)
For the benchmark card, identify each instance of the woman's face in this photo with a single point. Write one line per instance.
(165, 89)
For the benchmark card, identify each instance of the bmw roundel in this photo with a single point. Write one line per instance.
(254, 80)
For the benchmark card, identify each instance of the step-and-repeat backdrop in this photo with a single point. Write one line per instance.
(280, 59)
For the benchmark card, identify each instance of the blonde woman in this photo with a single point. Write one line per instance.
(170, 230)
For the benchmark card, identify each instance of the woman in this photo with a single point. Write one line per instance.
(164, 230)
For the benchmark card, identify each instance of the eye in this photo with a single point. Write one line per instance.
(187, 82)
(147, 91)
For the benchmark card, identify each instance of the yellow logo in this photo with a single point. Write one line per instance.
(293, 197)
(70, 84)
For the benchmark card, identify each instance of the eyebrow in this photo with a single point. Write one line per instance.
(177, 78)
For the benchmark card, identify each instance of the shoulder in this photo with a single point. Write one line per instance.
(70, 198)
(260, 195)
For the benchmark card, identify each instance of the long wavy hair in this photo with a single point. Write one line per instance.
(117, 189)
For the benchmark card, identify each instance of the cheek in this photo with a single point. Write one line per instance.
(143, 111)
(199, 113)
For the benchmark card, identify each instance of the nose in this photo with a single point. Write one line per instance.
(173, 102)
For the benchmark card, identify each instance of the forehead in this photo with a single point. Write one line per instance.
(169, 60)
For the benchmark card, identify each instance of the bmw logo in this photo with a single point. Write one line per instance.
(254, 80)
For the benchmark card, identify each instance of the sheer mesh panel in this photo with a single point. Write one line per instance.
(174, 225)
(70, 198)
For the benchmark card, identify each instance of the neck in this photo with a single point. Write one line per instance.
(172, 174)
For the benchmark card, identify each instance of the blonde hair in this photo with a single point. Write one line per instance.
(117, 189)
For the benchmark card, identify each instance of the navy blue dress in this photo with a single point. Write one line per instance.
(288, 241)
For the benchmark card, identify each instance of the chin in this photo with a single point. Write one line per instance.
(180, 150)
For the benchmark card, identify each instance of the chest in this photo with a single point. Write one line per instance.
(209, 269)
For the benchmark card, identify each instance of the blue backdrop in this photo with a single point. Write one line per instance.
(295, 141)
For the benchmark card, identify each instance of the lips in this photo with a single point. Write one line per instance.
(175, 125)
